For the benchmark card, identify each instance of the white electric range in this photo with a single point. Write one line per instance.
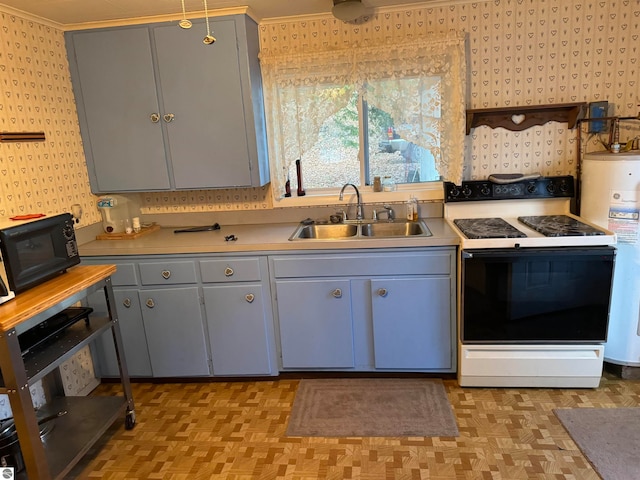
(534, 284)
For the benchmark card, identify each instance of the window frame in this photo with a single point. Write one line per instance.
(352, 64)
(422, 191)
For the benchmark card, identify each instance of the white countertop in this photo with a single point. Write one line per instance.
(258, 238)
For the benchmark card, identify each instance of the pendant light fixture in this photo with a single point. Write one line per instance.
(209, 39)
(184, 23)
(348, 10)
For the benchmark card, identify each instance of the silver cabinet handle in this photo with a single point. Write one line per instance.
(154, 117)
(337, 293)
(127, 302)
(382, 292)
(168, 117)
(150, 303)
(166, 274)
(250, 297)
(228, 271)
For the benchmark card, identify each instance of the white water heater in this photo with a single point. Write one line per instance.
(610, 197)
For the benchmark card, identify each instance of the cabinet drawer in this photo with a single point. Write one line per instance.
(230, 270)
(125, 275)
(168, 273)
(419, 263)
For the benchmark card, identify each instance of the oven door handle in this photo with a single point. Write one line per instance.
(526, 252)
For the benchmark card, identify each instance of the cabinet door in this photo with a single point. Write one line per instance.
(134, 341)
(114, 83)
(412, 323)
(175, 332)
(316, 329)
(237, 317)
(201, 88)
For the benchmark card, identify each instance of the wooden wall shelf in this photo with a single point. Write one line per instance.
(22, 137)
(520, 118)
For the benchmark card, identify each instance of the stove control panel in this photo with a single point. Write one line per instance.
(543, 187)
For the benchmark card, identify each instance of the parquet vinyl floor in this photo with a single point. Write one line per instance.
(236, 431)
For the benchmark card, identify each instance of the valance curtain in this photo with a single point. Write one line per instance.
(302, 90)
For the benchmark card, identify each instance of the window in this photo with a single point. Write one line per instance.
(362, 141)
(351, 115)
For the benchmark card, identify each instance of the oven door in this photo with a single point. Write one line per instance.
(536, 295)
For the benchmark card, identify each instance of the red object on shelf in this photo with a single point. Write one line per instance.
(28, 216)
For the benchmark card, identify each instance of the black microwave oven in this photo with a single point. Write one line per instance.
(36, 251)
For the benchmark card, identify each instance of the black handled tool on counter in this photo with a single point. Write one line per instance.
(215, 226)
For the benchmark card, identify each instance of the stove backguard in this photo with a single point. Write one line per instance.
(543, 187)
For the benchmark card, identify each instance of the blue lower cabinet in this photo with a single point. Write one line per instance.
(315, 325)
(239, 321)
(134, 340)
(411, 323)
(174, 329)
(367, 311)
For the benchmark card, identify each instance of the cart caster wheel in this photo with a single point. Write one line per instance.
(130, 420)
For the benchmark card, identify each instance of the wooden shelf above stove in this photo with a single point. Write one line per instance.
(520, 118)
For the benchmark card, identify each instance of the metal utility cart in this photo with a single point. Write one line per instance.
(86, 418)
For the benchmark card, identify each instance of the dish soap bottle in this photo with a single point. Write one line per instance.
(412, 209)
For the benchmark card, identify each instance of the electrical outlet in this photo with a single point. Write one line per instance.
(598, 110)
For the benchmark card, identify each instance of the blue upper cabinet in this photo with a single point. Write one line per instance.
(160, 110)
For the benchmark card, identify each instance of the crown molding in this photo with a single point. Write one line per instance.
(30, 17)
(161, 18)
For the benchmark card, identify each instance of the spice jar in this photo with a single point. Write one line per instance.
(388, 185)
(377, 184)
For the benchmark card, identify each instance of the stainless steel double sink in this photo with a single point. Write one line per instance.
(361, 230)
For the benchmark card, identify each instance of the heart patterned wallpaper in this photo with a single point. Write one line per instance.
(520, 52)
(35, 95)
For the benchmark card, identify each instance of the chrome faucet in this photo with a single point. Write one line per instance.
(359, 215)
(391, 215)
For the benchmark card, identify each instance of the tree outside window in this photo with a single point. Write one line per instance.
(342, 155)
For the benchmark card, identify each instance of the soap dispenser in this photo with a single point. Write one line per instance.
(412, 209)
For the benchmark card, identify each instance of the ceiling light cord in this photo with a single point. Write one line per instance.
(184, 23)
(209, 39)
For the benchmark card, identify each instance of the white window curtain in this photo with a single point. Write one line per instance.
(302, 90)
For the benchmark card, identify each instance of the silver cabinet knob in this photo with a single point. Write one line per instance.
(166, 274)
(382, 292)
(168, 117)
(250, 297)
(150, 303)
(154, 117)
(337, 293)
(127, 302)
(228, 271)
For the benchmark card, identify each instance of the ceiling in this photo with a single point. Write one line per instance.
(73, 12)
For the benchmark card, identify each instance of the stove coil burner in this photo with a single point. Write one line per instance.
(475, 228)
(559, 226)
